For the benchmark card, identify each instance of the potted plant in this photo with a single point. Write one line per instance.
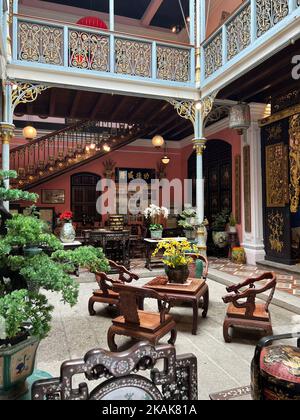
(176, 259)
(219, 234)
(188, 222)
(232, 223)
(67, 233)
(155, 214)
(25, 313)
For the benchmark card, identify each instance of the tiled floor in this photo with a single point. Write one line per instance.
(286, 283)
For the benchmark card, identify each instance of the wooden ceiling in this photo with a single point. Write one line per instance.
(79, 105)
(270, 78)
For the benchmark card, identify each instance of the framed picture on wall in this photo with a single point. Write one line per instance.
(47, 215)
(53, 196)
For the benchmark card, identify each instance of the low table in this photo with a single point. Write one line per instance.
(195, 291)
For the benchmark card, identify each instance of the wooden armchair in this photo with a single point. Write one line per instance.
(243, 310)
(139, 324)
(105, 293)
(120, 378)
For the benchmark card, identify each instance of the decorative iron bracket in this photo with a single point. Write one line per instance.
(25, 92)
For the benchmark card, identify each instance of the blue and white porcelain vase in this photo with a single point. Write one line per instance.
(67, 233)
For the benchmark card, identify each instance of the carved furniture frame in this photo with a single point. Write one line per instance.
(105, 294)
(138, 324)
(242, 310)
(177, 380)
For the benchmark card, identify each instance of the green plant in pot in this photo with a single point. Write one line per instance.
(25, 314)
(176, 259)
(187, 221)
(219, 234)
(154, 215)
(232, 223)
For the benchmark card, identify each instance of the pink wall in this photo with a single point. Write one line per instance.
(128, 157)
(215, 8)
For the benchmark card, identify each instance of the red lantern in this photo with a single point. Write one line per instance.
(93, 22)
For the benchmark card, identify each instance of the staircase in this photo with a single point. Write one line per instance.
(61, 151)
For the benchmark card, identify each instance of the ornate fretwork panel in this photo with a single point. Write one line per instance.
(213, 55)
(269, 13)
(173, 64)
(295, 162)
(239, 32)
(276, 228)
(40, 43)
(88, 51)
(133, 57)
(277, 175)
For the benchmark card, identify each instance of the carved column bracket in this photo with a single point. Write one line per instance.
(199, 146)
(25, 92)
(185, 109)
(6, 132)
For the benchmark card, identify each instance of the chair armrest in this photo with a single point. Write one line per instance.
(123, 272)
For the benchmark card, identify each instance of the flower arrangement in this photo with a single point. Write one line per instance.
(156, 214)
(175, 253)
(66, 216)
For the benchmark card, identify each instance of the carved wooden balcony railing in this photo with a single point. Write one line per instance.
(241, 32)
(50, 44)
(66, 149)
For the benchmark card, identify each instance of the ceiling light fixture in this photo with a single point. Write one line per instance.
(29, 133)
(106, 148)
(158, 141)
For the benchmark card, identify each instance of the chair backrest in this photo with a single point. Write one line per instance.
(205, 263)
(130, 297)
(252, 292)
(176, 381)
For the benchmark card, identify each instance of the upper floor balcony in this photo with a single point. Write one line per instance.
(138, 52)
(255, 31)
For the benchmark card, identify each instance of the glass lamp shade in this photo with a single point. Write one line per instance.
(158, 141)
(29, 133)
(166, 160)
(106, 147)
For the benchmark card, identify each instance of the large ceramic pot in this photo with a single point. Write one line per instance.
(16, 365)
(156, 234)
(220, 239)
(67, 233)
(177, 275)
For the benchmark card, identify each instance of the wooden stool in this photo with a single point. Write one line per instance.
(249, 314)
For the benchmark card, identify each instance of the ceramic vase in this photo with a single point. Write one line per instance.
(67, 234)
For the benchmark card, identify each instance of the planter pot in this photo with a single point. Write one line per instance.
(220, 239)
(232, 229)
(156, 234)
(190, 234)
(177, 275)
(16, 365)
(31, 252)
(67, 233)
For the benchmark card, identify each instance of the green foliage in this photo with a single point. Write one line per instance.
(16, 195)
(154, 227)
(185, 225)
(220, 221)
(21, 308)
(87, 257)
(185, 217)
(232, 220)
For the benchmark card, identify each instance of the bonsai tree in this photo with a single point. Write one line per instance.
(24, 310)
(187, 219)
(220, 221)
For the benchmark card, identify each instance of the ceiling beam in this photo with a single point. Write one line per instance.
(52, 102)
(100, 103)
(76, 104)
(151, 12)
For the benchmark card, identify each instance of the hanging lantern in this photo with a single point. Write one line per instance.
(29, 133)
(165, 160)
(158, 141)
(240, 118)
(92, 21)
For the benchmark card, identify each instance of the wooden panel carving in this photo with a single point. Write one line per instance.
(238, 189)
(295, 162)
(277, 175)
(247, 188)
(276, 229)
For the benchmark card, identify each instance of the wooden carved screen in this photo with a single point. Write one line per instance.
(276, 180)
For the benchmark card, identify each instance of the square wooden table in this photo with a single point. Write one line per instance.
(195, 291)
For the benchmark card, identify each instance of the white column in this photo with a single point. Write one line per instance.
(111, 15)
(6, 131)
(202, 20)
(253, 241)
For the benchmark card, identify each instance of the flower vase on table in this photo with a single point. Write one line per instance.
(155, 215)
(68, 233)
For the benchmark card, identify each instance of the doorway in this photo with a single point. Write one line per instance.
(84, 197)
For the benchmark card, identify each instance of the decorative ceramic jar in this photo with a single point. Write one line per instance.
(16, 365)
(67, 233)
(190, 234)
(220, 239)
(156, 234)
(177, 275)
(238, 255)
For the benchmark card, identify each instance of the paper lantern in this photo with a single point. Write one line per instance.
(240, 117)
(29, 133)
(93, 22)
(158, 141)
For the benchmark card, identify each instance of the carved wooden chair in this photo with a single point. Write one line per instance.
(243, 310)
(105, 293)
(139, 324)
(120, 379)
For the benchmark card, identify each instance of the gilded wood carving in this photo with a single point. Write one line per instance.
(277, 175)
(238, 189)
(276, 227)
(247, 188)
(295, 162)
